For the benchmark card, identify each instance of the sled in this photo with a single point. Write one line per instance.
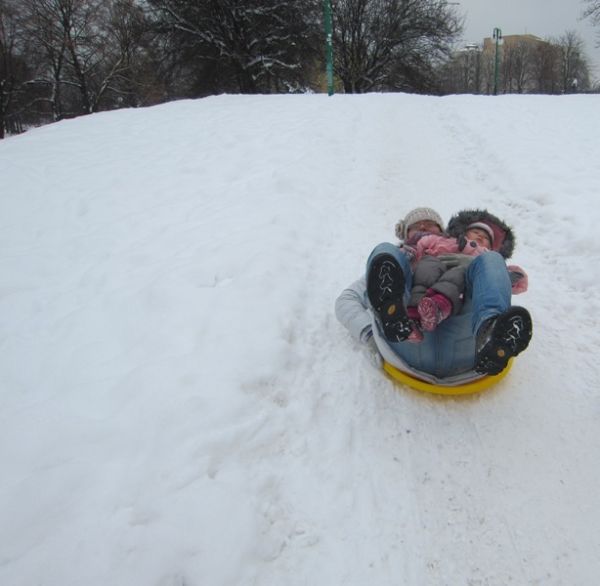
(476, 386)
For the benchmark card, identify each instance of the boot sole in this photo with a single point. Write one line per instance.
(510, 335)
(385, 289)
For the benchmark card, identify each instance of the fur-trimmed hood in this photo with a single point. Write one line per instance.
(504, 239)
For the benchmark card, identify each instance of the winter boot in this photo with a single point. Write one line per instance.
(502, 337)
(433, 309)
(385, 289)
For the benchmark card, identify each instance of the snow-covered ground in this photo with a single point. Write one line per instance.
(178, 404)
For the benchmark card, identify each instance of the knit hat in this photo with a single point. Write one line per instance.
(417, 215)
(485, 228)
(503, 239)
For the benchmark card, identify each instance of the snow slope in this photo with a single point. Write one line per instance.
(179, 406)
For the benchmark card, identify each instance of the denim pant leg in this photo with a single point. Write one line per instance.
(402, 259)
(488, 283)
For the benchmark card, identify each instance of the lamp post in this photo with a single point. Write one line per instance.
(497, 35)
(328, 45)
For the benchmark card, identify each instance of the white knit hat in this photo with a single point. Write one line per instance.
(417, 215)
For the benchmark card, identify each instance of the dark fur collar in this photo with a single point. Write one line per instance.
(504, 239)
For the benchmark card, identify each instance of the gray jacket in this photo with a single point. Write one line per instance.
(431, 273)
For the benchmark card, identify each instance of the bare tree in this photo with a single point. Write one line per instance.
(83, 50)
(544, 63)
(46, 42)
(464, 72)
(391, 44)
(488, 65)
(120, 54)
(592, 11)
(11, 66)
(574, 70)
(517, 66)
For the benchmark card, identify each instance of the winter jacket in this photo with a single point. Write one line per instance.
(431, 273)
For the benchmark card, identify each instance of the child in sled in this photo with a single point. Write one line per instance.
(437, 290)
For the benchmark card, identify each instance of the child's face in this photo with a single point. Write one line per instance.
(480, 236)
(424, 226)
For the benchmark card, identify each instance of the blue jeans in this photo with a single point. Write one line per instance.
(450, 348)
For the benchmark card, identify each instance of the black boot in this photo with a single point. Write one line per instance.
(385, 289)
(502, 337)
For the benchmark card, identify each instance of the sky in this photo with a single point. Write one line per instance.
(543, 18)
(179, 405)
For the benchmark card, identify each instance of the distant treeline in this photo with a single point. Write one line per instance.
(65, 58)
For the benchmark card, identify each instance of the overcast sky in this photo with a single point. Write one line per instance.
(543, 18)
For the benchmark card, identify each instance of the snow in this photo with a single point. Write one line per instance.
(178, 404)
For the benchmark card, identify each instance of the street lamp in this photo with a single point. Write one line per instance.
(497, 35)
(328, 45)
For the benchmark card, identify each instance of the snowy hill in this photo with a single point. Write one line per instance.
(179, 406)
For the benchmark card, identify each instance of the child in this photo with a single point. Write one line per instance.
(437, 291)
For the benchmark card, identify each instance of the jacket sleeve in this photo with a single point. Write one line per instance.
(351, 311)
(435, 244)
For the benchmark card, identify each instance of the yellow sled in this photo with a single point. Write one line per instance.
(476, 386)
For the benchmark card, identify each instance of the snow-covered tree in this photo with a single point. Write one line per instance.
(82, 50)
(244, 45)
